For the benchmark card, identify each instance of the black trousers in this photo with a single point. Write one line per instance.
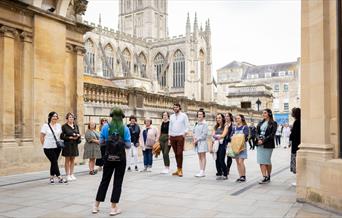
(278, 137)
(118, 168)
(99, 162)
(252, 143)
(221, 166)
(52, 154)
(229, 164)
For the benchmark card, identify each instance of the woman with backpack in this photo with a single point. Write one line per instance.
(117, 137)
(241, 128)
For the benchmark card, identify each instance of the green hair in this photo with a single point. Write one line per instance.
(116, 125)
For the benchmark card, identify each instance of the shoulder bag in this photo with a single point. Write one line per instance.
(59, 143)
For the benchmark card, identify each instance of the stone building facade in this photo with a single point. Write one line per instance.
(319, 163)
(41, 70)
(282, 81)
(142, 55)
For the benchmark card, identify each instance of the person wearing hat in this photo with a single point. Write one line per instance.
(117, 166)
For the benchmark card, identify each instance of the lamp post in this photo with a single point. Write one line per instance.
(258, 102)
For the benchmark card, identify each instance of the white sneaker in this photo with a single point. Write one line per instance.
(69, 178)
(294, 184)
(149, 169)
(165, 171)
(200, 174)
(73, 177)
(95, 210)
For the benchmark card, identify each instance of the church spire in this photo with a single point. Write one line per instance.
(195, 27)
(188, 25)
(195, 23)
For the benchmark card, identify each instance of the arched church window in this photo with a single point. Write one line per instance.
(158, 66)
(127, 56)
(108, 64)
(89, 58)
(143, 62)
(178, 70)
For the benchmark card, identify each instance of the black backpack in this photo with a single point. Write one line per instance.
(115, 148)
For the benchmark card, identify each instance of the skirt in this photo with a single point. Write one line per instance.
(70, 150)
(91, 150)
(264, 155)
(293, 163)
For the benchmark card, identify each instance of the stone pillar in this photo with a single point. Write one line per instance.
(318, 174)
(7, 86)
(27, 89)
(80, 51)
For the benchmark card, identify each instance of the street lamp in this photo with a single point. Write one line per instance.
(258, 102)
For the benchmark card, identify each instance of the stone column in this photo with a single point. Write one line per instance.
(27, 89)
(7, 86)
(80, 51)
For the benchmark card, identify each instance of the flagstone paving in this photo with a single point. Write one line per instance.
(155, 195)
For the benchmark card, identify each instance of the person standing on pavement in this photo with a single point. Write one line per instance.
(285, 135)
(178, 129)
(230, 123)
(116, 166)
(132, 152)
(72, 137)
(252, 137)
(99, 162)
(278, 135)
(164, 141)
(219, 133)
(92, 147)
(200, 141)
(295, 138)
(266, 131)
(148, 137)
(48, 141)
(241, 128)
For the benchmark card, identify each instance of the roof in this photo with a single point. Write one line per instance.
(236, 64)
(271, 68)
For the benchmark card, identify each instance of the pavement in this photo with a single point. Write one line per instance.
(155, 195)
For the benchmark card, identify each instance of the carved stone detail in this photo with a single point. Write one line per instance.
(80, 50)
(8, 31)
(26, 36)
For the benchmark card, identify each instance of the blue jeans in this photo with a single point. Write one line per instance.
(148, 157)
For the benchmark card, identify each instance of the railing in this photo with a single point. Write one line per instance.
(137, 99)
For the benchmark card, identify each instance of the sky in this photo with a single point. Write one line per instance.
(255, 31)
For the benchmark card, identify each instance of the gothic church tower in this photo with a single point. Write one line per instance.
(144, 18)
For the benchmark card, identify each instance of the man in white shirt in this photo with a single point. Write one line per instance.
(178, 129)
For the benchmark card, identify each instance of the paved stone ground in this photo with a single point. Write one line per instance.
(155, 195)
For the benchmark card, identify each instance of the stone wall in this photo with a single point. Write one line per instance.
(319, 167)
(41, 70)
(99, 99)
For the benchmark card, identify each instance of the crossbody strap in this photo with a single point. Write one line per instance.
(53, 133)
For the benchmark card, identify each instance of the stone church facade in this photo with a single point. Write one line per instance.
(142, 55)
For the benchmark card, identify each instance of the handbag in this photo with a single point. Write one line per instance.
(237, 144)
(156, 149)
(59, 143)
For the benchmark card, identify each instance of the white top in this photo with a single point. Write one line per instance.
(286, 132)
(49, 141)
(178, 124)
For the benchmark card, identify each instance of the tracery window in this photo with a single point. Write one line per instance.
(178, 70)
(127, 56)
(89, 58)
(158, 66)
(108, 67)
